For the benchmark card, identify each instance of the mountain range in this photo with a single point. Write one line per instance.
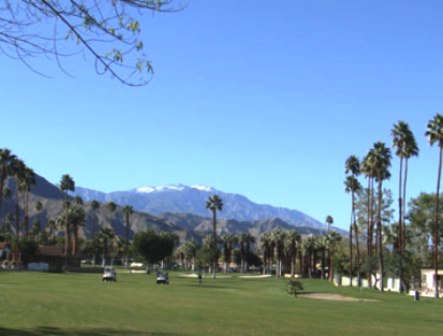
(178, 209)
(180, 198)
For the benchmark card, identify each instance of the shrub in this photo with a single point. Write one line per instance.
(294, 286)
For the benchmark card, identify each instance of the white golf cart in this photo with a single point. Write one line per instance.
(162, 278)
(109, 274)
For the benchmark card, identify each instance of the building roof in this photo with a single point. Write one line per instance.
(52, 251)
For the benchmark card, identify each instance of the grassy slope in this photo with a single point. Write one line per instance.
(80, 304)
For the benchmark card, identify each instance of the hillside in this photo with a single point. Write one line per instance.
(185, 225)
(185, 199)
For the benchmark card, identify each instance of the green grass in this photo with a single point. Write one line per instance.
(37, 304)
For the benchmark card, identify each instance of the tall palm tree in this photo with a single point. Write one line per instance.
(18, 172)
(332, 240)
(28, 180)
(245, 240)
(278, 236)
(266, 247)
(6, 158)
(67, 184)
(321, 244)
(6, 193)
(228, 245)
(434, 132)
(307, 255)
(292, 242)
(94, 205)
(329, 221)
(353, 186)
(127, 211)
(406, 147)
(76, 219)
(352, 166)
(368, 169)
(190, 248)
(382, 162)
(105, 237)
(214, 203)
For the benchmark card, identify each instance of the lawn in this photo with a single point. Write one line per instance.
(37, 304)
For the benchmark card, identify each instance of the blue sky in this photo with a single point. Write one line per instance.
(266, 99)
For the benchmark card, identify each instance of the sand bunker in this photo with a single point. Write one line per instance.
(334, 297)
(262, 276)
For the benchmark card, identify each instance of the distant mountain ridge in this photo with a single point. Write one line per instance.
(186, 225)
(179, 198)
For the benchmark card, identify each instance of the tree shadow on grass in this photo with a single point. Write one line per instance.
(52, 331)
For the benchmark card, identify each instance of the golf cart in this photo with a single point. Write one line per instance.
(109, 274)
(162, 278)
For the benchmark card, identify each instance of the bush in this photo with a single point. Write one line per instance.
(294, 286)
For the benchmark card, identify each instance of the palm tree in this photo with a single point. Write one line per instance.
(353, 186)
(111, 206)
(332, 239)
(292, 242)
(76, 219)
(67, 184)
(406, 147)
(18, 172)
(127, 211)
(352, 165)
(214, 203)
(434, 132)
(190, 250)
(266, 247)
(105, 236)
(95, 205)
(6, 158)
(6, 193)
(228, 245)
(245, 239)
(278, 238)
(329, 221)
(382, 162)
(368, 168)
(321, 244)
(28, 180)
(51, 227)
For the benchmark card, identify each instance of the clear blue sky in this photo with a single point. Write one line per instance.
(266, 99)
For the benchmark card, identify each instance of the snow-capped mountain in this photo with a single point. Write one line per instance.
(178, 198)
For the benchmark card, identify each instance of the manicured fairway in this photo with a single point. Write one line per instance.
(80, 304)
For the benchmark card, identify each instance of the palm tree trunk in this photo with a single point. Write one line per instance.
(350, 253)
(214, 241)
(75, 241)
(127, 240)
(26, 219)
(405, 181)
(403, 231)
(379, 235)
(400, 209)
(436, 225)
(350, 231)
(357, 247)
(400, 235)
(323, 262)
(17, 215)
(370, 227)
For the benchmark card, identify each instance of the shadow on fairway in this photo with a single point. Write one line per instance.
(49, 331)
(211, 286)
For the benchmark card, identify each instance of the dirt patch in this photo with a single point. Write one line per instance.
(334, 297)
